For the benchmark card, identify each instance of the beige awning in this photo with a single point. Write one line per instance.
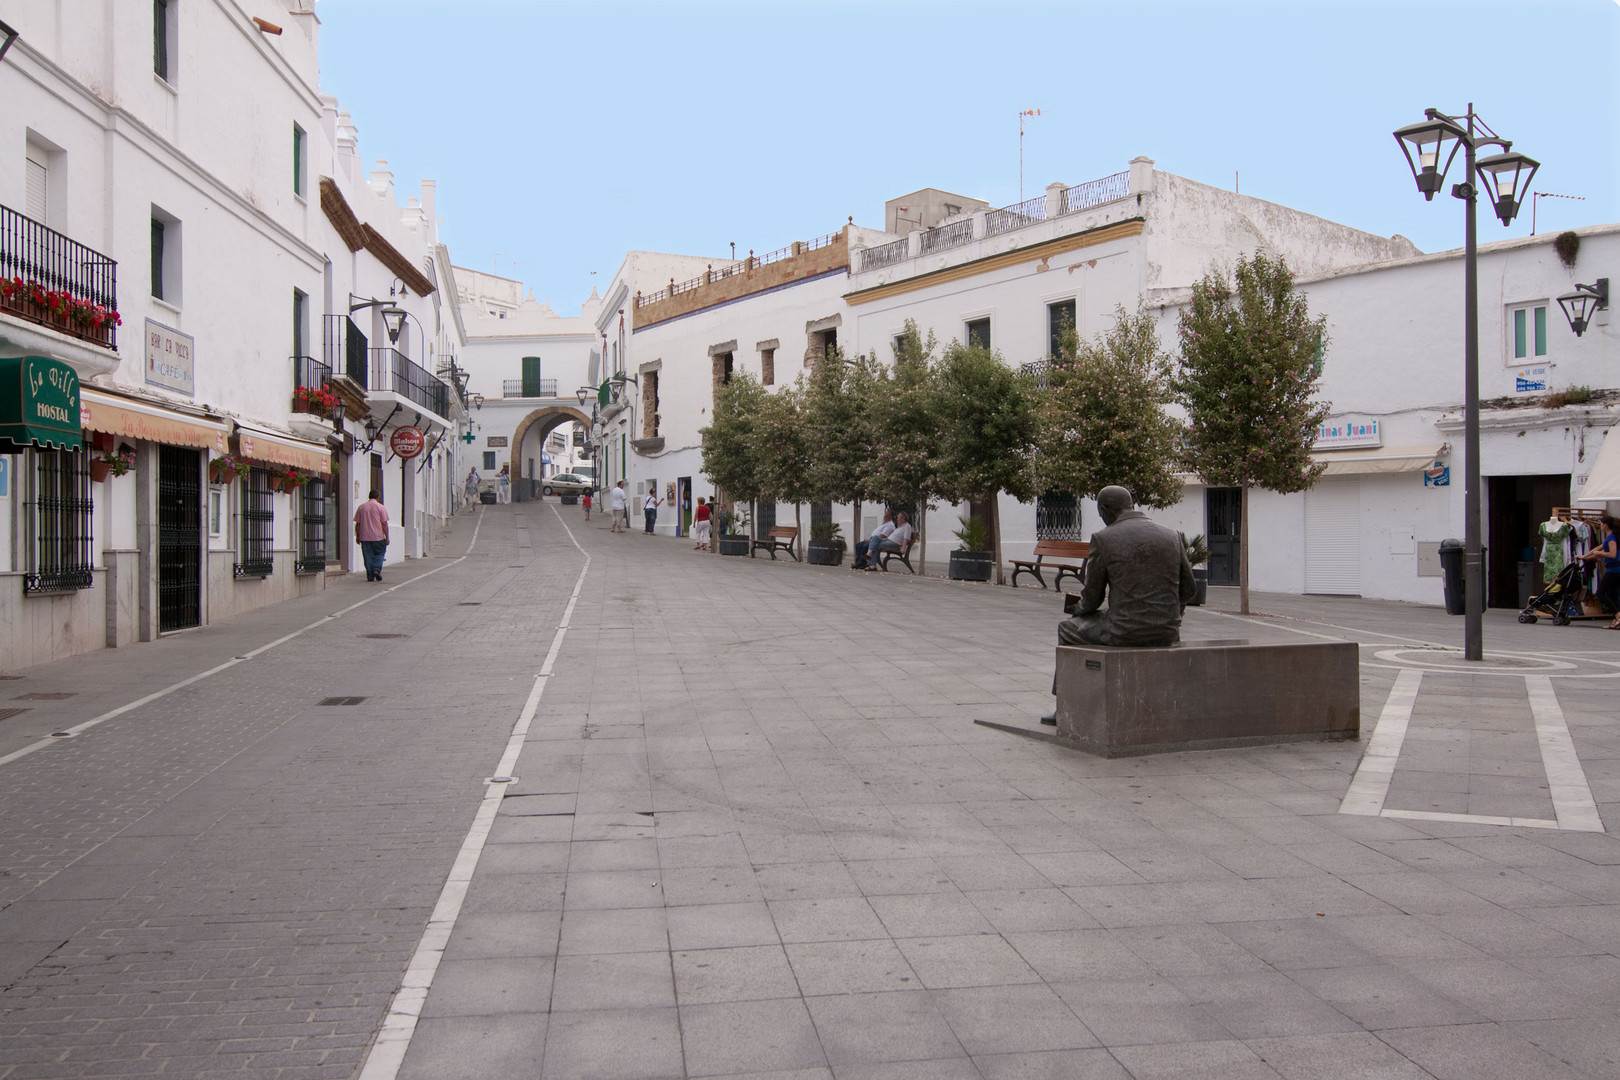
(279, 448)
(1603, 482)
(1379, 459)
(112, 414)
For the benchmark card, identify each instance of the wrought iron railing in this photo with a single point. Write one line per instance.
(1040, 371)
(346, 351)
(255, 553)
(887, 255)
(57, 524)
(1015, 216)
(38, 254)
(310, 374)
(393, 370)
(311, 528)
(941, 237)
(739, 266)
(825, 240)
(514, 388)
(1096, 192)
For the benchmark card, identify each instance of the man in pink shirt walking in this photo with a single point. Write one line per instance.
(371, 530)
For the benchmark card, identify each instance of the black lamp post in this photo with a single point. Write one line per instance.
(1506, 176)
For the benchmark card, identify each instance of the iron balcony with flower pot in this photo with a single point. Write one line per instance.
(58, 297)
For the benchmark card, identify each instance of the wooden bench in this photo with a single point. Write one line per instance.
(1054, 549)
(780, 538)
(904, 555)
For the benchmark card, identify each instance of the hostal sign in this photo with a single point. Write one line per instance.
(406, 442)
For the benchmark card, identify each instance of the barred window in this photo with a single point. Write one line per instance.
(311, 528)
(58, 522)
(253, 552)
(1057, 516)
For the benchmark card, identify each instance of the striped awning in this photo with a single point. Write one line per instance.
(1379, 459)
(279, 448)
(114, 414)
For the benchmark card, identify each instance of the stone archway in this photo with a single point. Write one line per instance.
(545, 419)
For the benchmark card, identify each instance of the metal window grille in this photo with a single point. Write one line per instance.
(311, 528)
(254, 554)
(160, 38)
(59, 523)
(179, 538)
(1057, 517)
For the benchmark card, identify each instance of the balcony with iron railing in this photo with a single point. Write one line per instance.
(392, 370)
(515, 388)
(346, 352)
(52, 280)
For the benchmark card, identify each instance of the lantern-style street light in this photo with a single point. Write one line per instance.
(1579, 306)
(1430, 147)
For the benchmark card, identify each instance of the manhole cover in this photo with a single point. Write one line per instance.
(340, 701)
(384, 637)
(45, 697)
(7, 714)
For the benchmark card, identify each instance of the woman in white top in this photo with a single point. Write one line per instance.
(650, 509)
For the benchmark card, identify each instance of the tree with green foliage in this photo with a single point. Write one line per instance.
(837, 420)
(730, 459)
(987, 429)
(782, 448)
(1102, 415)
(905, 438)
(1251, 357)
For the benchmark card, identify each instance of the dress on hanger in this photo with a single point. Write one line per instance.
(1555, 551)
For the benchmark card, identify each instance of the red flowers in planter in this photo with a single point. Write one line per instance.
(59, 303)
(318, 400)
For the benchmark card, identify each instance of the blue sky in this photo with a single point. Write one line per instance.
(563, 134)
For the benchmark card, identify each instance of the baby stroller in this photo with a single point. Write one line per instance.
(1561, 599)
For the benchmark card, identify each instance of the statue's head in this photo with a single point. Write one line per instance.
(1113, 501)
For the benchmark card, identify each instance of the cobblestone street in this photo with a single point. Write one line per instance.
(594, 805)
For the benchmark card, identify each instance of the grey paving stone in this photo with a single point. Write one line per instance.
(860, 1029)
(1353, 1056)
(1133, 1012)
(966, 960)
(1012, 1019)
(1478, 1052)
(614, 1044)
(487, 987)
(512, 934)
(850, 967)
(504, 1045)
(622, 980)
(1051, 1065)
(1263, 1005)
(745, 973)
(1226, 1059)
(749, 1036)
(833, 919)
(713, 926)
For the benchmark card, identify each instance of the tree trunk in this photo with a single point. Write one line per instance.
(753, 524)
(993, 508)
(855, 526)
(798, 537)
(1243, 549)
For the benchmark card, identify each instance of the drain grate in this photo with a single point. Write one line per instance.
(340, 701)
(45, 697)
(9, 678)
(384, 637)
(7, 714)
(471, 603)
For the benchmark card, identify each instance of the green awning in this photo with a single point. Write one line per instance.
(39, 404)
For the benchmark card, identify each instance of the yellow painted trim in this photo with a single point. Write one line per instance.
(989, 263)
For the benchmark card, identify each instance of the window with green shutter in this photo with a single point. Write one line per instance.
(531, 376)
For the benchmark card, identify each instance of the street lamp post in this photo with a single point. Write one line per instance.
(1430, 146)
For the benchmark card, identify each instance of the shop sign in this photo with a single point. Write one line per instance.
(1437, 475)
(406, 442)
(170, 359)
(1530, 380)
(5, 476)
(39, 404)
(1343, 433)
(497, 440)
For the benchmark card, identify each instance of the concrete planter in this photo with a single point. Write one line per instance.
(820, 553)
(1201, 576)
(971, 566)
(734, 544)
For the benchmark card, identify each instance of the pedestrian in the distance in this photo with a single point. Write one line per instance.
(585, 501)
(504, 479)
(616, 504)
(700, 526)
(472, 485)
(371, 530)
(649, 509)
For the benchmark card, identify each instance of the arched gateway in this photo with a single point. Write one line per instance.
(530, 432)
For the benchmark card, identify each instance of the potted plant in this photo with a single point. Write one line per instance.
(1198, 554)
(972, 560)
(224, 469)
(112, 463)
(733, 526)
(314, 399)
(826, 544)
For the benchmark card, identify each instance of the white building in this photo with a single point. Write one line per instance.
(176, 163)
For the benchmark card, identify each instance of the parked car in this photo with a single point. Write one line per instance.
(566, 484)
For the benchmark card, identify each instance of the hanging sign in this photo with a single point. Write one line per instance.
(406, 442)
(1437, 475)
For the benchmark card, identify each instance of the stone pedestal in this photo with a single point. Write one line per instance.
(1205, 694)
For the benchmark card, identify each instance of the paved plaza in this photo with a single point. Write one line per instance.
(573, 805)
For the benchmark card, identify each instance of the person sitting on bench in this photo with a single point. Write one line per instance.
(863, 547)
(896, 541)
(1142, 568)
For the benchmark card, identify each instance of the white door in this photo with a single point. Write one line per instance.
(1333, 538)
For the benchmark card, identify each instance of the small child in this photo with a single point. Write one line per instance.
(585, 501)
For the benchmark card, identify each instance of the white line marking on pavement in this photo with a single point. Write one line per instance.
(393, 1041)
(200, 676)
(1471, 819)
(1370, 786)
(1566, 780)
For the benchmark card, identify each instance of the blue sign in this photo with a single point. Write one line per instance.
(1530, 380)
(1437, 475)
(5, 476)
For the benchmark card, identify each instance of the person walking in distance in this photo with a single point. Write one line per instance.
(616, 504)
(700, 526)
(371, 531)
(649, 509)
(585, 501)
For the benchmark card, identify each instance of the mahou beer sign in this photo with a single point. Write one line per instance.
(406, 442)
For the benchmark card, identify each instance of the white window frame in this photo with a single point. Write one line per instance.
(1510, 343)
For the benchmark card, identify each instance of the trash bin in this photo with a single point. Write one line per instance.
(1529, 579)
(1451, 567)
(570, 500)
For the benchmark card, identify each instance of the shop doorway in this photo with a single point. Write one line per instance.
(1517, 504)
(179, 538)
(1223, 523)
(683, 503)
